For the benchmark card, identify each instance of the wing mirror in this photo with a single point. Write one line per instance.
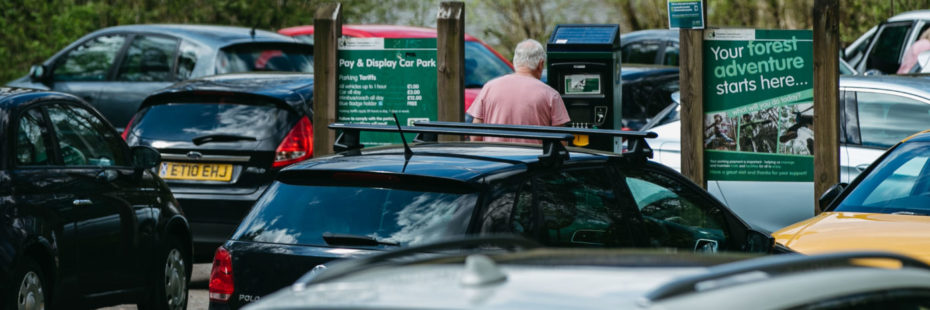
(757, 242)
(923, 63)
(145, 157)
(831, 194)
(37, 73)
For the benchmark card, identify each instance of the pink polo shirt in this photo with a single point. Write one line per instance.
(518, 100)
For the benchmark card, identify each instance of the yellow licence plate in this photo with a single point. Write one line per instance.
(195, 171)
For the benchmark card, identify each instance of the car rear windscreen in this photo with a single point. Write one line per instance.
(482, 65)
(265, 57)
(302, 214)
(186, 121)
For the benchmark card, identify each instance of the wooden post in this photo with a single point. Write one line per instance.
(327, 29)
(826, 97)
(691, 77)
(450, 61)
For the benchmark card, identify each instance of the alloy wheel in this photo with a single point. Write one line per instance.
(31, 295)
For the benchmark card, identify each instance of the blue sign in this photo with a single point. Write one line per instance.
(685, 14)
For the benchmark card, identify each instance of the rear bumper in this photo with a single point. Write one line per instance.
(214, 217)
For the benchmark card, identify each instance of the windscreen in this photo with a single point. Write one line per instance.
(899, 184)
(301, 214)
(265, 57)
(186, 121)
(482, 65)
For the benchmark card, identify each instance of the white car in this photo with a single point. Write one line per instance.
(606, 279)
(876, 113)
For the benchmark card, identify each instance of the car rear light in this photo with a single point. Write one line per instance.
(221, 277)
(128, 126)
(296, 146)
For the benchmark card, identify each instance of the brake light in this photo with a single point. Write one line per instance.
(126, 131)
(221, 277)
(296, 146)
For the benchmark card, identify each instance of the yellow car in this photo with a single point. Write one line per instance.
(886, 208)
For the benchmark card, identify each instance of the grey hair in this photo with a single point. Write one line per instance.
(528, 54)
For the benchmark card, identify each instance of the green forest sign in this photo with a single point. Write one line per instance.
(378, 77)
(758, 105)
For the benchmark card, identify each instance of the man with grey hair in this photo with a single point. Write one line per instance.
(520, 98)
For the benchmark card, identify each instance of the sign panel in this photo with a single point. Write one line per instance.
(378, 77)
(758, 105)
(685, 14)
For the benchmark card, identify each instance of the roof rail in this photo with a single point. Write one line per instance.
(638, 146)
(553, 150)
(765, 267)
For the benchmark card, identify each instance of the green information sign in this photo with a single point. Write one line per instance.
(378, 77)
(685, 14)
(758, 105)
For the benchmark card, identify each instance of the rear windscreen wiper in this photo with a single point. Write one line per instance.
(358, 240)
(221, 138)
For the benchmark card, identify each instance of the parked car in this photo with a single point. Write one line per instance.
(647, 90)
(880, 50)
(876, 112)
(652, 46)
(886, 208)
(364, 200)
(488, 278)
(83, 222)
(223, 138)
(115, 68)
(482, 62)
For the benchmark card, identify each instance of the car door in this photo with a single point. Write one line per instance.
(96, 166)
(85, 70)
(149, 63)
(888, 48)
(882, 118)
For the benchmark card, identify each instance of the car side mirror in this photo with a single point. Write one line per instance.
(145, 157)
(37, 73)
(830, 195)
(923, 62)
(758, 242)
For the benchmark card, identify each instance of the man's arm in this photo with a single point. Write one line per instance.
(476, 138)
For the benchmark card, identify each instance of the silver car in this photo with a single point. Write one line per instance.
(877, 112)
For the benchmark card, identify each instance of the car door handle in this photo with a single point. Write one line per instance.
(862, 167)
(82, 202)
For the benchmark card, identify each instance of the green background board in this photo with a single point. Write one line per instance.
(760, 82)
(371, 87)
(685, 14)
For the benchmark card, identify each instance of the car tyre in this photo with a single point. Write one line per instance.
(171, 279)
(29, 287)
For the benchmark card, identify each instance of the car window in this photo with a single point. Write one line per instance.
(482, 65)
(148, 59)
(671, 54)
(256, 120)
(886, 53)
(84, 139)
(31, 148)
(640, 53)
(672, 218)
(900, 183)
(265, 57)
(187, 60)
(90, 61)
(569, 209)
(885, 119)
(301, 214)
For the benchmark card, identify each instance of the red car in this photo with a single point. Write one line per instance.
(482, 63)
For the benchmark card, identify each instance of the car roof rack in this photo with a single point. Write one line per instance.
(638, 146)
(765, 267)
(346, 267)
(553, 150)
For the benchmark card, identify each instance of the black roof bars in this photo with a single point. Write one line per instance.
(553, 150)
(638, 145)
(729, 274)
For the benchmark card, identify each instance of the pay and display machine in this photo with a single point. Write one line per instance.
(584, 67)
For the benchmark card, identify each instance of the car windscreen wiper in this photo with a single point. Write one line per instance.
(220, 138)
(356, 240)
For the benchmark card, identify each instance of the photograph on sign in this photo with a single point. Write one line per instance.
(758, 93)
(582, 84)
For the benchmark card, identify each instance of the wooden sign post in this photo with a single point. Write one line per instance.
(328, 28)
(691, 76)
(450, 77)
(826, 97)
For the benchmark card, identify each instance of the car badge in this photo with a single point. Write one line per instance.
(194, 155)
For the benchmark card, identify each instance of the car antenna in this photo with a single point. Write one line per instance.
(408, 153)
(252, 32)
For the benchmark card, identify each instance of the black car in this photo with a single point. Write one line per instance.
(222, 139)
(83, 221)
(115, 68)
(365, 200)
